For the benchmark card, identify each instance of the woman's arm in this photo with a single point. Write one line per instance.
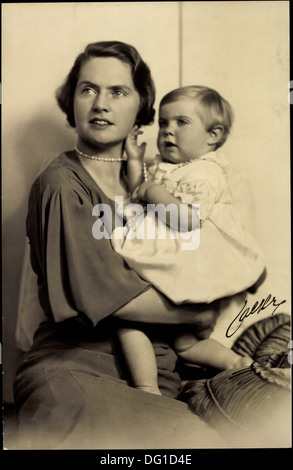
(77, 273)
(153, 307)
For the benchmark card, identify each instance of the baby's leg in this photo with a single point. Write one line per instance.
(140, 358)
(208, 352)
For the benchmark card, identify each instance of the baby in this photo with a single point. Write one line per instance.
(185, 196)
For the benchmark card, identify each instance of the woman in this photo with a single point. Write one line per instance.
(70, 389)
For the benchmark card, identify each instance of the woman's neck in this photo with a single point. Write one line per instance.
(106, 174)
(101, 151)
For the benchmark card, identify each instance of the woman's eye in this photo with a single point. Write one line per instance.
(162, 124)
(182, 122)
(88, 91)
(118, 93)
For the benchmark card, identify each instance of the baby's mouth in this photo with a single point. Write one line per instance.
(170, 144)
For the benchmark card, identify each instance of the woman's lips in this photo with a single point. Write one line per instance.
(101, 122)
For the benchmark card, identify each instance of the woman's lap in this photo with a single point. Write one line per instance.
(74, 410)
(74, 397)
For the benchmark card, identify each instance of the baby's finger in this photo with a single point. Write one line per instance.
(136, 133)
(136, 130)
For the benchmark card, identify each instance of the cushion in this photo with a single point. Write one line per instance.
(250, 406)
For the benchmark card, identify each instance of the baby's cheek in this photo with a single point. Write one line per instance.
(160, 145)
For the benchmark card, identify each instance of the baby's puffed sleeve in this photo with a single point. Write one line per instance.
(77, 274)
(203, 185)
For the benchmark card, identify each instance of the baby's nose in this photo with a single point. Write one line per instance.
(168, 131)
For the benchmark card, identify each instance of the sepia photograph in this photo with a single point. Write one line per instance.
(146, 232)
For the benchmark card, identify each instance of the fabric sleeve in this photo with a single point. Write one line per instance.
(197, 193)
(203, 186)
(77, 274)
(152, 171)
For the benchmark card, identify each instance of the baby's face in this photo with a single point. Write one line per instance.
(182, 135)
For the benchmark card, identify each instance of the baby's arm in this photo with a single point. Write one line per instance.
(135, 154)
(140, 359)
(153, 193)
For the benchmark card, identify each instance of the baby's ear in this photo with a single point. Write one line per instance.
(215, 135)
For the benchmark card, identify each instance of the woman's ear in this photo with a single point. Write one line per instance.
(215, 135)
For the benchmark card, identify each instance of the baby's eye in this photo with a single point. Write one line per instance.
(182, 122)
(162, 124)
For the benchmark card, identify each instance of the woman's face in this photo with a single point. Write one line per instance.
(106, 103)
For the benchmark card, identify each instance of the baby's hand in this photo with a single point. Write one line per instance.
(133, 150)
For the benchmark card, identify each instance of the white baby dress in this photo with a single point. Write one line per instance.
(219, 260)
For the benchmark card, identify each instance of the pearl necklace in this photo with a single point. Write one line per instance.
(97, 157)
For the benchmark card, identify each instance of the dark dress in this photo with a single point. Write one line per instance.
(71, 391)
(77, 274)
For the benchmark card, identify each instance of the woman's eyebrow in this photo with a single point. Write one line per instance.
(87, 83)
(118, 87)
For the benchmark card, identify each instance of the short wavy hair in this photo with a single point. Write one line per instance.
(141, 76)
(213, 110)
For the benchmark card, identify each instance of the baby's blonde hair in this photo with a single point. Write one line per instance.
(214, 110)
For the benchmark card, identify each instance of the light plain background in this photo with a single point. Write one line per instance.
(240, 48)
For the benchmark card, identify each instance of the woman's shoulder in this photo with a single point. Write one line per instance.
(59, 174)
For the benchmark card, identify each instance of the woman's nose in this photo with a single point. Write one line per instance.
(101, 103)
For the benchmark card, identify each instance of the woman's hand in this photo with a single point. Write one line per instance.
(133, 150)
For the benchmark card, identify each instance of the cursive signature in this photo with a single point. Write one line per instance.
(246, 312)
